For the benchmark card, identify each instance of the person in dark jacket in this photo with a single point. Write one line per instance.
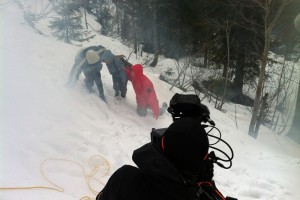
(91, 71)
(144, 91)
(80, 61)
(171, 170)
(117, 70)
(88, 61)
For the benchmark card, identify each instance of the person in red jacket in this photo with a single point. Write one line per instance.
(144, 91)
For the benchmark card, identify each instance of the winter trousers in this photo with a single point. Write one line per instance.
(119, 85)
(90, 78)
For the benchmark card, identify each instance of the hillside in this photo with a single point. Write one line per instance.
(42, 119)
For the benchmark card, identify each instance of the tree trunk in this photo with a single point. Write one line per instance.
(155, 59)
(155, 37)
(259, 89)
(262, 112)
(118, 17)
(225, 69)
(268, 25)
(135, 43)
(134, 20)
(225, 72)
(85, 5)
(226, 65)
(239, 74)
(205, 55)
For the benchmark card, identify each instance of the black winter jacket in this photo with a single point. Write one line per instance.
(154, 179)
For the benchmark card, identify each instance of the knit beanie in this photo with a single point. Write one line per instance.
(185, 144)
(92, 57)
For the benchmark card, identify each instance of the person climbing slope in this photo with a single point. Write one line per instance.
(145, 94)
(117, 70)
(88, 61)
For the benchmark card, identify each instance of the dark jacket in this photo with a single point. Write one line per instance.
(92, 75)
(80, 56)
(81, 53)
(80, 61)
(154, 179)
(116, 68)
(114, 64)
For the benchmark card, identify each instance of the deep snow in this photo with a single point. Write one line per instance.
(42, 119)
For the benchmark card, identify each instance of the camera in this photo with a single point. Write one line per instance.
(184, 106)
(189, 106)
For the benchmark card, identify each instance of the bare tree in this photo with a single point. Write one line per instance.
(270, 19)
(85, 19)
(281, 101)
(155, 36)
(181, 74)
(226, 67)
(37, 11)
(189, 77)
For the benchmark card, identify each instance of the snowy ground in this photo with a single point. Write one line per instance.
(48, 131)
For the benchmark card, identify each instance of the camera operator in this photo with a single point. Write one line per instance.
(171, 170)
(176, 163)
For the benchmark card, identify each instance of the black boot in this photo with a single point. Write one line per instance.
(123, 95)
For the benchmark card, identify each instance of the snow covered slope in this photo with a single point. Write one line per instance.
(42, 119)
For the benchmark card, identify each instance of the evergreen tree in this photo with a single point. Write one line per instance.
(105, 12)
(67, 24)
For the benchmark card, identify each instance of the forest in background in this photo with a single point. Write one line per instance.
(245, 42)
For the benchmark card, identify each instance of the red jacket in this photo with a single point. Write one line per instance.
(143, 88)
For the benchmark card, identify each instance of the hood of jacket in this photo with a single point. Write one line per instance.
(138, 70)
(81, 54)
(137, 78)
(107, 56)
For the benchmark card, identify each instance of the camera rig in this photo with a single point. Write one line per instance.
(183, 106)
(190, 106)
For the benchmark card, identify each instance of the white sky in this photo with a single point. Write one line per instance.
(41, 119)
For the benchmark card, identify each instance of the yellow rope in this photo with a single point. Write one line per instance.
(88, 177)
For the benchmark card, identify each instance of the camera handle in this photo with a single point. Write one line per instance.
(208, 190)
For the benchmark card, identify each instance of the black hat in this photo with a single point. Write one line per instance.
(185, 144)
